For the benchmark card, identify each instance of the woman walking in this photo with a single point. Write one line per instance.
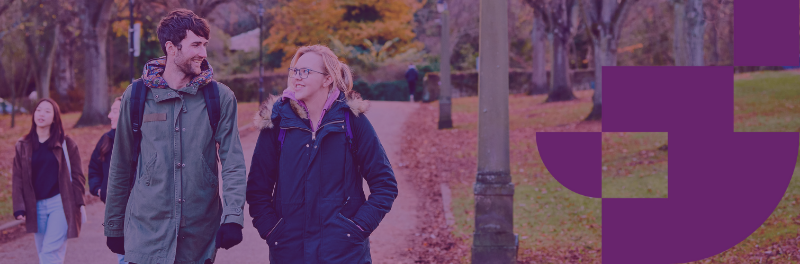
(100, 162)
(314, 148)
(48, 183)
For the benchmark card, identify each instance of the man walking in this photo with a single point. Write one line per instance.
(411, 78)
(163, 203)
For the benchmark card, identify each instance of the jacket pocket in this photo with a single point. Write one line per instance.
(210, 175)
(343, 242)
(275, 233)
(352, 226)
(149, 170)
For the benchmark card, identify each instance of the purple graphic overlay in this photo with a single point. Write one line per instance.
(722, 185)
(574, 159)
(766, 33)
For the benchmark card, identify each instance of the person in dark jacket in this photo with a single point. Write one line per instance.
(47, 184)
(100, 162)
(411, 77)
(101, 156)
(318, 212)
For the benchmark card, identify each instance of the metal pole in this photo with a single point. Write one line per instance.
(130, 34)
(260, 53)
(445, 105)
(494, 240)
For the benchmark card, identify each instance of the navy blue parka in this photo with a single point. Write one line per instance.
(318, 196)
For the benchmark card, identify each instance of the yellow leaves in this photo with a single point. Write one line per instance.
(309, 22)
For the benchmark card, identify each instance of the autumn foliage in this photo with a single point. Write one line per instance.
(308, 22)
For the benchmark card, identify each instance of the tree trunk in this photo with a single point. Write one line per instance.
(94, 33)
(539, 73)
(43, 62)
(64, 77)
(696, 28)
(679, 44)
(560, 89)
(605, 54)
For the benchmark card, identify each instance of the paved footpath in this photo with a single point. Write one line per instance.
(389, 241)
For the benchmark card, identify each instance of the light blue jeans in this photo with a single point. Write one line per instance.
(121, 259)
(51, 240)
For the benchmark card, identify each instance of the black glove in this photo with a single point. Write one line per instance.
(18, 213)
(229, 235)
(116, 244)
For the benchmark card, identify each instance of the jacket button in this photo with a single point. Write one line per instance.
(156, 96)
(183, 165)
(178, 165)
(276, 243)
(306, 145)
(348, 235)
(176, 129)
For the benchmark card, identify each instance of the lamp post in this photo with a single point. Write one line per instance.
(494, 240)
(260, 53)
(445, 106)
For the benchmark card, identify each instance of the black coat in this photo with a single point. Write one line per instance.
(412, 75)
(98, 170)
(318, 197)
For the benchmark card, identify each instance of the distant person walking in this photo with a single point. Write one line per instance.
(100, 162)
(47, 185)
(411, 77)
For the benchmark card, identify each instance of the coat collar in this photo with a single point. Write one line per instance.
(285, 111)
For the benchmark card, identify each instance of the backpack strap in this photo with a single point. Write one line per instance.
(353, 150)
(137, 102)
(211, 95)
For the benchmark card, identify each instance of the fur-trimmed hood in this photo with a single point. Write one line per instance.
(265, 115)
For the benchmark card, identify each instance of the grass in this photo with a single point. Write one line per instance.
(551, 220)
(633, 165)
(767, 102)
(86, 138)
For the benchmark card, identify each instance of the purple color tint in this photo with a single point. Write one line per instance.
(574, 159)
(667, 99)
(765, 32)
(722, 185)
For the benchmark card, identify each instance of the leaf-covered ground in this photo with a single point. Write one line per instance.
(635, 165)
(554, 224)
(767, 102)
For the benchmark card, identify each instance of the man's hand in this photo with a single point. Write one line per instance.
(116, 244)
(229, 235)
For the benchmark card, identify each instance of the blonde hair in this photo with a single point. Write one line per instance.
(342, 76)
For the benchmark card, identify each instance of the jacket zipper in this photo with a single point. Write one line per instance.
(273, 228)
(314, 133)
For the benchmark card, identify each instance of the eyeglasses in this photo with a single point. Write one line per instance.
(302, 72)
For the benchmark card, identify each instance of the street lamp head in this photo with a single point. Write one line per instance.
(441, 6)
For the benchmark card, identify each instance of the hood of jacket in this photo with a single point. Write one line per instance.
(154, 69)
(266, 113)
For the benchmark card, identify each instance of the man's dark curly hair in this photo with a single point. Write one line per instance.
(173, 27)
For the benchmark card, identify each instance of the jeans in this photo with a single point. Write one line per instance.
(51, 240)
(121, 259)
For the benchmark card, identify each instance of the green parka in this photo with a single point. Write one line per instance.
(173, 211)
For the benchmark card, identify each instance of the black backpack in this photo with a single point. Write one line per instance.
(137, 101)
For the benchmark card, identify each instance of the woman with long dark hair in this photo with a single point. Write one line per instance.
(48, 183)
